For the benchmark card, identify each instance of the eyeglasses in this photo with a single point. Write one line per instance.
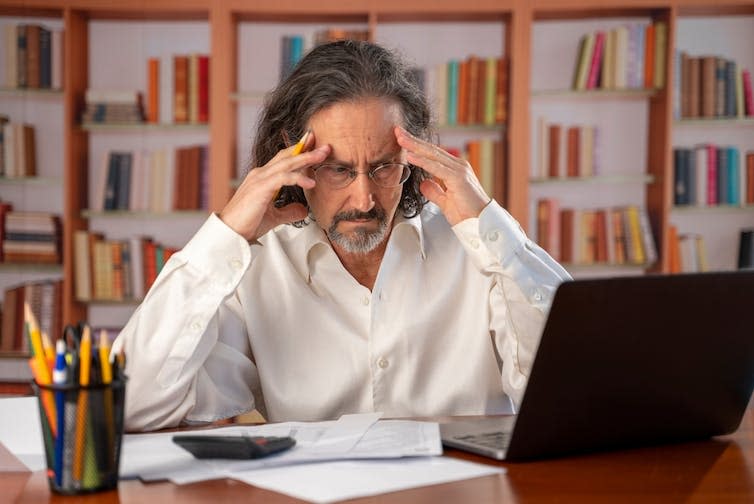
(337, 176)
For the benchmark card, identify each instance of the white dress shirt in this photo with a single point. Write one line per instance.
(451, 326)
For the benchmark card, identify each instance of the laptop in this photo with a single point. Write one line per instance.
(627, 362)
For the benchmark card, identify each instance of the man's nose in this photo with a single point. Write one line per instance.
(362, 192)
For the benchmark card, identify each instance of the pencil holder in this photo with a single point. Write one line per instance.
(82, 427)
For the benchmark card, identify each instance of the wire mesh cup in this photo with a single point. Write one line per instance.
(82, 428)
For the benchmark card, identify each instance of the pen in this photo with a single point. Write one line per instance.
(59, 377)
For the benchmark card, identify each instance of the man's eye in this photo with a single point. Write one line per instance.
(338, 170)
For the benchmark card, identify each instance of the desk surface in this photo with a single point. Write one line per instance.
(719, 470)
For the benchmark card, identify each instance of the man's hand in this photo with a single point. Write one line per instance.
(453, 186)
(251, 213)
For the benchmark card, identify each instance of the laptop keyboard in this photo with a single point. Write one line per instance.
(497, 440)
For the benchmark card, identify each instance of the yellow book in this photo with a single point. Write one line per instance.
(635, 246)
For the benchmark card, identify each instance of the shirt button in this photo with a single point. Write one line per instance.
(475, 243)
(195, 326)
(365, 300)
(383, 363)
(537, 295)
(493, 236)
(236, 264)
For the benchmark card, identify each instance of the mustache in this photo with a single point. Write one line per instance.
(374, 213)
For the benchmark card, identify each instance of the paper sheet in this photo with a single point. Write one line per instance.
(20, 430)
(334, 481)
(155, 456)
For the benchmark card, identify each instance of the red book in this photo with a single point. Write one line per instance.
(748, 98)
(750, 178)
(153, 97)
(150, 263)
(649, 56)
(554, 143)
(711, 174)
(595, 66)
(573, 158)
(566, 235)
(203, 88)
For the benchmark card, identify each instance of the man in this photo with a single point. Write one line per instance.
(375, 300)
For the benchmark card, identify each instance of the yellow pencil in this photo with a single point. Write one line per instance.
(297, 149)
(85, 362)
(40, 367)
(300, 145)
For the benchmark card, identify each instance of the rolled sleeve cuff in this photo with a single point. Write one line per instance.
(491, 239)
(218, 252)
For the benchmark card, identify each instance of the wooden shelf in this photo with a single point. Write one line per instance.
(589, 94)
(30, 93)
(715, 122)
(143, 127)
(14, 267)
(128, 214)
(689, 209)
(33, 181)
(616, 178)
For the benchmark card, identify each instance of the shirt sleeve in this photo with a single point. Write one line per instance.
(526, 278)
(187, 349)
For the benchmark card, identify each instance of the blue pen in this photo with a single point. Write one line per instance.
(59, 376)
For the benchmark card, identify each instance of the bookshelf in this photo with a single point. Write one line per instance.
(42, 108)
(727, 34)
(107, 44)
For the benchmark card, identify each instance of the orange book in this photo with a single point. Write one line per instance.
(501, 91)
(153, 92)
(543, 223)
(180, 89)
(473, 90)
(572, 159)
(474, 157)
(463, 92)
(674, 252)
(649, 56)
(481, 92)
(566, 235)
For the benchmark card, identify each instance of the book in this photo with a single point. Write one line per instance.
(153, 90)
(180, 89)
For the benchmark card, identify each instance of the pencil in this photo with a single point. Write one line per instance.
(59, 376)
(297, 149)
(40, 367)
(85, 361)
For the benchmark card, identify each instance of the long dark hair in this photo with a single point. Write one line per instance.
(337, 72)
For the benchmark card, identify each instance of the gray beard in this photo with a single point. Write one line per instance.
(359, 241)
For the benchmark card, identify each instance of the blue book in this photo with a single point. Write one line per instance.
(453, 75)
(734, 176)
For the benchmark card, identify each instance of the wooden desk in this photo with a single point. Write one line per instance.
(720, 470)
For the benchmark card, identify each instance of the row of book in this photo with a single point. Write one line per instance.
(160, 180)
(18, 152)
(472, 91)
(29, 237)
(33, 56)
(627, 57)
(712, 86)
(566, 151)
(293, 47)
(688, 252)
(45, 300)
(111, 106)
(189, 74)
(115, 270)
(709, 175)
(610, 236)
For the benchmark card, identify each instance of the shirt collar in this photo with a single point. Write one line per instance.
(311, 241)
